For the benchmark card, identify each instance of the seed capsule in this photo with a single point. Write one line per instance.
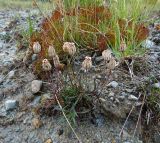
(87, 63)
(107, 55)
(51, 51)
(70, 48)
(56, 61)
(36, 47)
(46, 65)
(112, 64)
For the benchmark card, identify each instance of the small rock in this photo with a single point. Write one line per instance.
(117, 101)
(132, 97)
(111, 94)
(11, 104)
(113, 84)
(111, 98)
(102, 100)
(36, 123)
(34, 57)
(129, 90)
(157, 85)
(11, 74)
(138, 104)
(36, 86)
(121, 97)
(48, 141)
(148, 44)
(124, 94)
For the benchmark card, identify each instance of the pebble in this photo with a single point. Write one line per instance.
(148, 44)
(113, 84)
(36, 86)
(138, 104)
(112, 98)
(11, 74)
(129, 90)
(48, 141)
(102, 100)
(111, 94)
(132, 97)
(34, 57)
(124, 94)
(11, 104)
(157, 85)
(117, 101)
(121, 97)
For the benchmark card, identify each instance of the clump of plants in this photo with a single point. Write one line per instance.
(76, 26)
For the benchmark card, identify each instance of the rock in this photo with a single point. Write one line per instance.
(36, 123)
(117, 101)
(129, 90)
(102, 100)
(48, 141)
(111, 94)
(34, 57)
(148, 44)
(157, 85)
(121, 97)
(124, 94)
(11, 74)
(11, 104)
(36, 86)
(138, 104)
(132, 97)
(112, 98)
(153, 57)
(113, 84)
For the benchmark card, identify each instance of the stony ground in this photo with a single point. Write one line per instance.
(19, 124)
